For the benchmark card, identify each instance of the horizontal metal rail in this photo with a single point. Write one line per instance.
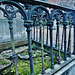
(46, 4)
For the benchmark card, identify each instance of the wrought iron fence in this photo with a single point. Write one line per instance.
(39, 20)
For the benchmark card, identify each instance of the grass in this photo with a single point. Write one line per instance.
(24, 65)
(3, 62)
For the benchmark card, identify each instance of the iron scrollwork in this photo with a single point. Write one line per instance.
(9, 13)
(58, 15)
(70, 20)
(9, 8)
(40, 16)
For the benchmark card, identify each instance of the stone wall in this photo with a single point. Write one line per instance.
(18, 29)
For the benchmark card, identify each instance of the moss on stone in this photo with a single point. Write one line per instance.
(24, 65)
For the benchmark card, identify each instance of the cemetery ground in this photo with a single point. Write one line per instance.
(23, 62)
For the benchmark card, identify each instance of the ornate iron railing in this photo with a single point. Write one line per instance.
(40, 18)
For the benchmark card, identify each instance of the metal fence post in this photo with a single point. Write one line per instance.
(69, 41)
(65, 41)
(56, 39)
(58, 25)
(62, 39)
(27, 24)
(41, 29)
(50, 24)
(13, 47)
(47, 36)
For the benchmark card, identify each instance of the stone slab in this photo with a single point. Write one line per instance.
(4, 66)
(8, 53)
(8, 44)
(26, 57)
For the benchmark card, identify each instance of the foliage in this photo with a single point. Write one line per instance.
(3, 62)
(24, 65)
